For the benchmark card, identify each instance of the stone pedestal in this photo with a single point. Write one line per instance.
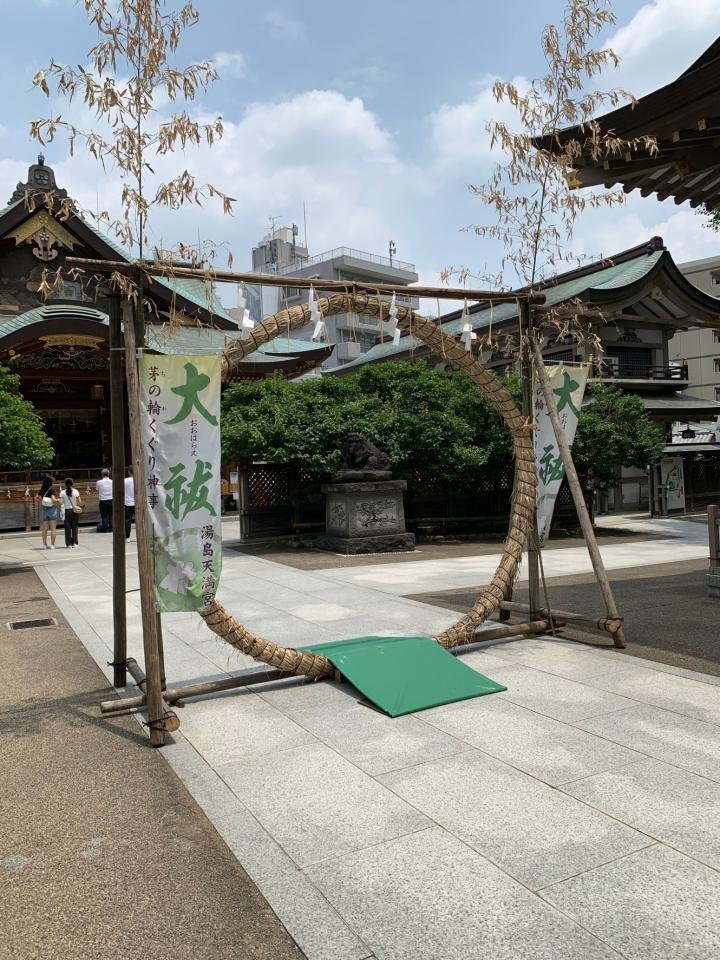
(365, 517)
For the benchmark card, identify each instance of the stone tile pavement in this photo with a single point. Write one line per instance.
(573, 816)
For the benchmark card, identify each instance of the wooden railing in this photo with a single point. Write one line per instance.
(607, 371)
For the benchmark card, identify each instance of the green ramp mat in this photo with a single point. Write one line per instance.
(404, 674)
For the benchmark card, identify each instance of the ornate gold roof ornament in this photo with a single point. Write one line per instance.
(45, 233)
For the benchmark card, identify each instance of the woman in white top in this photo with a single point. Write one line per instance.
(72, 507)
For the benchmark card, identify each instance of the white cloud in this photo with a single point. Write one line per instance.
(604, 232)
(459, 139)
(662, 40)
(319, 147)
(281, 24)
(230, 64)
(363, 81)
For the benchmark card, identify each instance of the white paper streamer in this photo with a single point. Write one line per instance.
(320, 330)
(247, 323)
(467, 335)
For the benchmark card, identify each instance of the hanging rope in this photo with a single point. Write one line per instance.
(522, 512)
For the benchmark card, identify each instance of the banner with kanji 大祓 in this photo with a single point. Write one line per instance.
(568, 386)
(180, 416)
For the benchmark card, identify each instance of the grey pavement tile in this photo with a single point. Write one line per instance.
(298, 697)
(318, 805)
(524, 646)
(654, 905)
(682, 741)
(429, 897)
(290, 631)
(672, 805)
(692, 698)
(237, 725)
(313, 923)
(375, 742)
(574, 664)
(556, 697)
(317, 611)
(524, 826)
(545, 748)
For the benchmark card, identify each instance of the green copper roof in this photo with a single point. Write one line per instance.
(49, 312)
(608, 278)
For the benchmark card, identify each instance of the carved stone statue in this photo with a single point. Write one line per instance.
(361, 461)
(364, 506)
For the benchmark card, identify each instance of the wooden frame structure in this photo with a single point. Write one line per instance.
(155, 698)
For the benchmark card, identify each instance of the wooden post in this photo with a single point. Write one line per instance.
(153, 685)
(713, 533)
(528, 411)
(244, 500)
(574, 483)
(161, 651)
(117, 433)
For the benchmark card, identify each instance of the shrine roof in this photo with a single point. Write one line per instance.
(644, 278)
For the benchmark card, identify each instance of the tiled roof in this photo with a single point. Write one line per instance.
(611, 277)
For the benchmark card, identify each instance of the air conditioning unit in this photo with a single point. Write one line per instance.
(612, 365)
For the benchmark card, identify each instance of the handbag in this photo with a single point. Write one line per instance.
(47, 502)
(78, 506)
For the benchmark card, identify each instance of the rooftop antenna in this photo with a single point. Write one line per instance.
(272, 226)
(392, 249)
(305, 243)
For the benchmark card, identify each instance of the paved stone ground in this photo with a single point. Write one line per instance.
(312, 559)
(103, 852)
(668, 615)
(575, 816)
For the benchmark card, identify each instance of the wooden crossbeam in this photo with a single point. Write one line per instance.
(172, 271)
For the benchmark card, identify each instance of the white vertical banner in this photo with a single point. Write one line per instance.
(180, 417)
(672, 477)
(568, 385)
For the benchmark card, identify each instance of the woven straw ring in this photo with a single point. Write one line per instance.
(524, 488)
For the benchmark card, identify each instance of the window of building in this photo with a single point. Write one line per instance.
(717, 394)
(629, 361)
(716, 336)
(560, 356)
(716, 364)
(69, 290)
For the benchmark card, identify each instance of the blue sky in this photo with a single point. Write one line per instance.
(373, 114)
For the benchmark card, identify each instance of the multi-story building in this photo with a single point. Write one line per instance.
(698, 347)
(351, 335)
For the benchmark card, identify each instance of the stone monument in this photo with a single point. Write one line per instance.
(364, 510)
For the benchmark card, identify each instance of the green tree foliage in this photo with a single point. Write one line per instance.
(430, 424)
(713, 218)
(24, 445)
(613, 431)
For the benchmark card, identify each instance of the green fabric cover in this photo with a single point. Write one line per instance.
(404, 674)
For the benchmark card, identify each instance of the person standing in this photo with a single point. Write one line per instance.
(72, 505)
(129, 502)
(42, 495)
(104, 490)
(52, 512)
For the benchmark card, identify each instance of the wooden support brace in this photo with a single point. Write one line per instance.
(602, 623)
(268, 676)
(171, 720)
(576, 490)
